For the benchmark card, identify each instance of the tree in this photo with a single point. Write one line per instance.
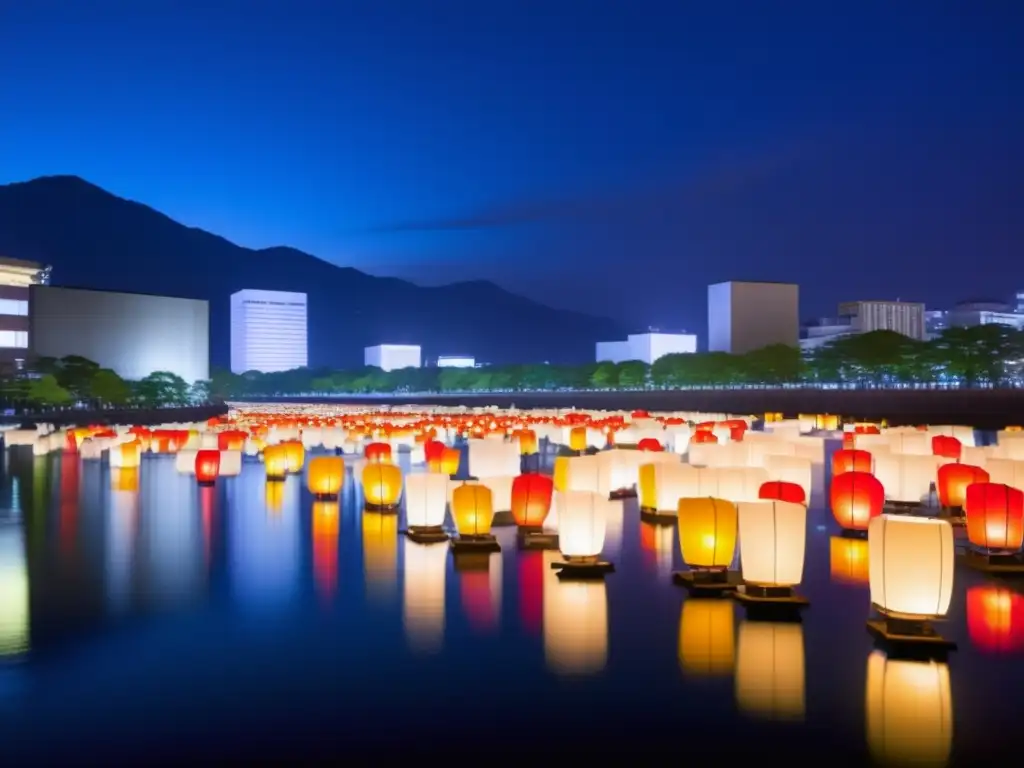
(632, 374)
(46, 391)
(163, 388)
(604, 375)
(774, 364)
(108, 388)
(75, 374)
(199, 392)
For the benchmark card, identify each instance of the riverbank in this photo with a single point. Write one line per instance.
(981, 408)
(138, 416)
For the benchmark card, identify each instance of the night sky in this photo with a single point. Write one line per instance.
(608, 156)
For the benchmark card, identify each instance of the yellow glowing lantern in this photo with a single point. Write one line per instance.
(578, 439)
(450, 460)
(560, 473)
(575, 626)
(706, 642)
(472, 510)
(707, 532)
(827, 422)
(295, 455)
(382, 486)
(275, 461)
(325, 476)
(772, 541)
(423, 594)
(908, 711)
(770, 677)
(527, 441)
(911, 565)
(848, 560)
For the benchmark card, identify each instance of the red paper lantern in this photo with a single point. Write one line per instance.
(952, 481)
(704, 436)
(856, 497)
(995, 619)
(850, 460)
(207, 466)
(231, 440)
(780, 490)
(433, 451)
(531, 499)
(736, 433)
(650, 444)
(378, 452)
(947, 447)
(640, 415)
(995, 516)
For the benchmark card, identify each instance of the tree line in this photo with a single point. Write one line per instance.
(979, 356)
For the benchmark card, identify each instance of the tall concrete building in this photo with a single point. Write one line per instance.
(744, 316)
(16, 278)
(268, 331)
(391, 357)
(903, 317)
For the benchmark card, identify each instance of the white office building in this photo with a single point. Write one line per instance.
(456, 361)
(391, 357)
(744, 316)
(268, 331)
(905, 317)
(646, 347)
(16, 277)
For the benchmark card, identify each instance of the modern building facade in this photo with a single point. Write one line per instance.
(645, 347)
(268, 331)
(16, 279)
(391, 357)
(133, 334)
(744, 316)
(903, 317)
(456, 361)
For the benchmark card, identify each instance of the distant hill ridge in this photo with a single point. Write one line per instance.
(94, 239)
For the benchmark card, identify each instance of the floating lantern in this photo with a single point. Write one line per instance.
(947, 447)
(575, 626)
(851, 460)
(618, 471)
(650, 444)
(952, 482)
(995, 619)
(207, 466)
(275, 461)
(699, 437)
(231, 440)
(426, 501)
(908, 711)
(995, 527)
(560, 473)
(856, 497)
(848, 560)
(325, 476)
(295, 456)
(378, 453)
(527, 439)
(450, 460)
(770, 676)
(907, 478)
(661, 485)
(827, 422)
(707, 543)
(578, 439)
(772, 542)
(707, 646)
(433, 453)
(473, 512)
(531, 500)
(382, 486)
(779, 490)
(911, 573)
(423, 596)
(582, 523)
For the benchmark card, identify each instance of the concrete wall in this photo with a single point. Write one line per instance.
(744, 316)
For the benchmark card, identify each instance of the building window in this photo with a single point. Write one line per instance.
(13, 339)
(13, 307)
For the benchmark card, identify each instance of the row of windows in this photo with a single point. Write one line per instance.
(13, 307)
(13, 339)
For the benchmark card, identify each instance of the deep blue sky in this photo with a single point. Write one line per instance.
(601, 155)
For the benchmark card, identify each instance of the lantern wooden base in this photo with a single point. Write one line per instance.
(471, 561)
(849, 533)
(326, 496)
(622, 493)
(1008, 565)
(654, 517)
(536, 538)
(432, 534)
(909, 637)
(276, 478)
(503, 519)
(583, 568)
(902, 507)
(479, 544)
(770, 603)
(206, 483)
(953, 515)
(382, 508)
(707, 583)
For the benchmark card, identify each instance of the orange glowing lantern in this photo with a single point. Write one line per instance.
(947, 447)
(473, 511)
(780, 490)
(856, 497)
(527, 442)
(703, 436)
(382, 486)
(275, 460)
(450, 460)
(850, 460)
(326, 476)
(433, 453)
(231, 440)
(650, 444)
(207, 466)
(378, 452)
(995, 619)
(952, 481)
(578, 439)
(295, 455)
(531, 500)
(995, 516)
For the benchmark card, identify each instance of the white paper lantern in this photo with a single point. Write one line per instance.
(230, 463)
(490, 458)
(1005, 471)
(772, 542)
(426, 498)
(501, 491)
(906, 477)
(582, 522)
(910, 565)
(790, 469)
(185, 461)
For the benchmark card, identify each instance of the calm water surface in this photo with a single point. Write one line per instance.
(142, 616)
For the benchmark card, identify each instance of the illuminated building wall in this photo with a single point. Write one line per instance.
(133, 334)
(646, 347)
(268, 331)
(456, 361)
(744, 316)
(16, 277)
(391, 357)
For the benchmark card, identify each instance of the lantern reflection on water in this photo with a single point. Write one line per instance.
(707, 646)
(423, 595)
(908, 711)
(326, 517)
(575, 626)
(656, 542)
(848, 560)
(770, 670)
(14, 596)
(480, 590)
(995, 619)
(380, 553)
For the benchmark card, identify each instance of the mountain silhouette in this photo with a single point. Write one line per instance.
(94, 239)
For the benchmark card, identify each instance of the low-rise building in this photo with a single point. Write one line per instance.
(391, 357)
(646, 347)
